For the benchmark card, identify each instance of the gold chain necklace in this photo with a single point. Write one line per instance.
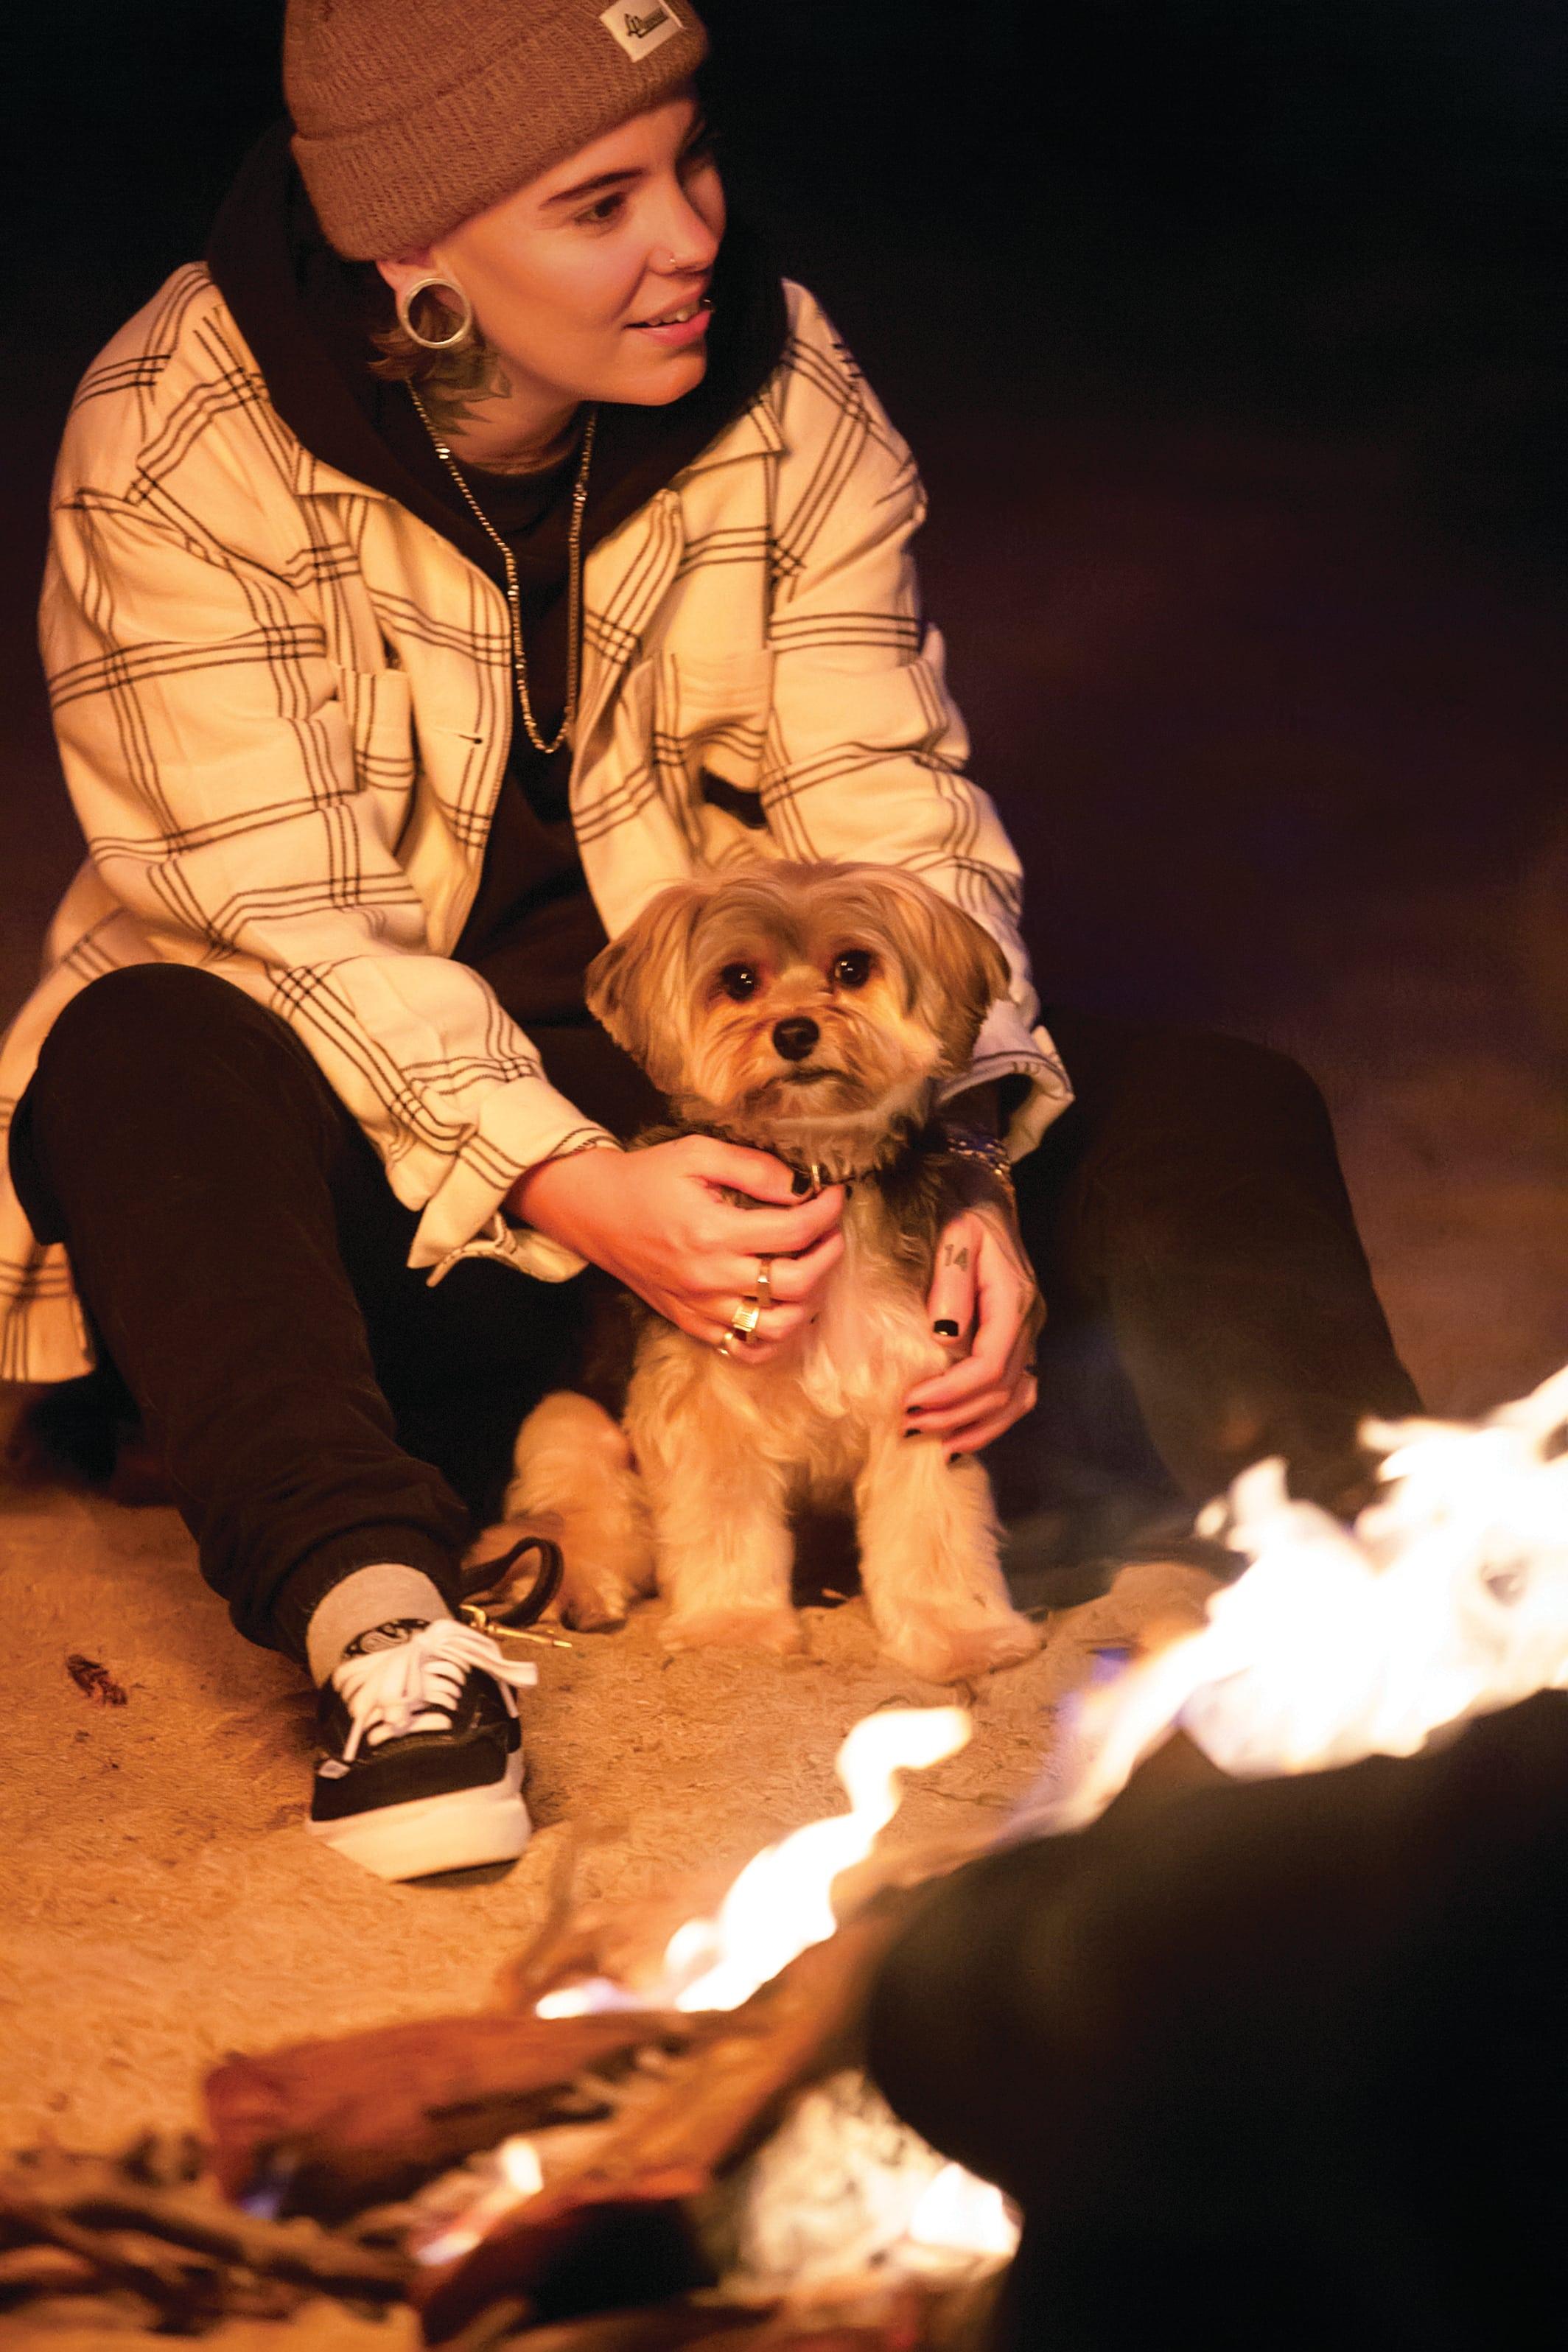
(514, 593)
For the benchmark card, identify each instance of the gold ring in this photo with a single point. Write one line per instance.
(766, 1281)
(745, 1319)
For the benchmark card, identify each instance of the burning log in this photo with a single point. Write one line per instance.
(647, 2168)
(346, 2124)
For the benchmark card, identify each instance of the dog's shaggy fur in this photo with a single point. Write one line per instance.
(713, 990)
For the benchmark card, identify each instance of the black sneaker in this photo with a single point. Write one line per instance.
(422, 1754)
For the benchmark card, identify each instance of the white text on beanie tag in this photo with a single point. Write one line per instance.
(643, 26)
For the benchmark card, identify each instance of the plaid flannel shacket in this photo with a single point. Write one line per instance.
(284, 704)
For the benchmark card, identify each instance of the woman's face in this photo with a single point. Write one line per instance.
(591, 281)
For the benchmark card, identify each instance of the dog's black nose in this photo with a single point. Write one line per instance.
(795, 1039)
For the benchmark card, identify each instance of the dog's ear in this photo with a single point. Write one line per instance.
(971, 973)
(638, 988)
(955, 969)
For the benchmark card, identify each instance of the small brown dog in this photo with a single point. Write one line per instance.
(811, 1012)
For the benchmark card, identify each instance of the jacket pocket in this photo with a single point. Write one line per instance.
(378, 710)
(710, 727)
(713, 715)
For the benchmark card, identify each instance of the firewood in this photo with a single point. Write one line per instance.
(366, 2119)
(601, 2247)
(41, 2269)
(182, 2301)
(89, 2195)
(668, 2144)
(716, 2103)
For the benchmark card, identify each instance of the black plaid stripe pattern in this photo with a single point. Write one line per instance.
(284, 704)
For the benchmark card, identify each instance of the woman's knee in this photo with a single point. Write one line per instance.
(1211, 1084)
(1188, 1121)
(159, 1059)
(127, 1028)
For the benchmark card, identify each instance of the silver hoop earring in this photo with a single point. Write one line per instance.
(405, 299)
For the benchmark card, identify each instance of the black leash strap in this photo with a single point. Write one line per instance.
(491, 1575)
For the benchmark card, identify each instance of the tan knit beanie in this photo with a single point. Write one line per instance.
(411, 115)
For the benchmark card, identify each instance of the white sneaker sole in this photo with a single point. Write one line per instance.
(457, 1832)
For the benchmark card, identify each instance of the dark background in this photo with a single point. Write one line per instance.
(1220, 329)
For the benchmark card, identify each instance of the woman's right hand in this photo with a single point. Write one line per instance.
(658, 1221)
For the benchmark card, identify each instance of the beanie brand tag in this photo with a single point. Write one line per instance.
(641, 25)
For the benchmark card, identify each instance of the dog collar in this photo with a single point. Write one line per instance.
(817, 1173)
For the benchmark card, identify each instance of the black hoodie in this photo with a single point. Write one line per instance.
(307, 316)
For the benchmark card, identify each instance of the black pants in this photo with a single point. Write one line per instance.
(318, 1407)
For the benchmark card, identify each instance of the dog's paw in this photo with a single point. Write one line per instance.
(592, 1604)
(960, 1650)
(599, 1579)
(779, 1630)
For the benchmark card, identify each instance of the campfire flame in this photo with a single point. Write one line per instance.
(1448, 1598)
(908, 2210)
(781, 1902)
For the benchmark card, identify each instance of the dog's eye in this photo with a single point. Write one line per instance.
(853, 968)
(738, 980)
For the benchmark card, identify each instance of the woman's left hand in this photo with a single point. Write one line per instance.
(983, 1293)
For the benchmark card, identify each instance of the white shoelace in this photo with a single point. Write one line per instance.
(415, 1686)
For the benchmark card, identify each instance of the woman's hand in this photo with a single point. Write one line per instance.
(983, 1281)
(657, 1219)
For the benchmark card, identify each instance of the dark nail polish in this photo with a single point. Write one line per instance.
(799, 1183)
(946, 1329)
(914, 1432)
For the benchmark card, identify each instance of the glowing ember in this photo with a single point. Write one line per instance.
(1448, 1598)
(780, 1904)
(469, 2202)
(958, 2213)
(844, 2189)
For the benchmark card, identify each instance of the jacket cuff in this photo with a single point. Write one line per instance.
(522, 1124)
(1008, 1046)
